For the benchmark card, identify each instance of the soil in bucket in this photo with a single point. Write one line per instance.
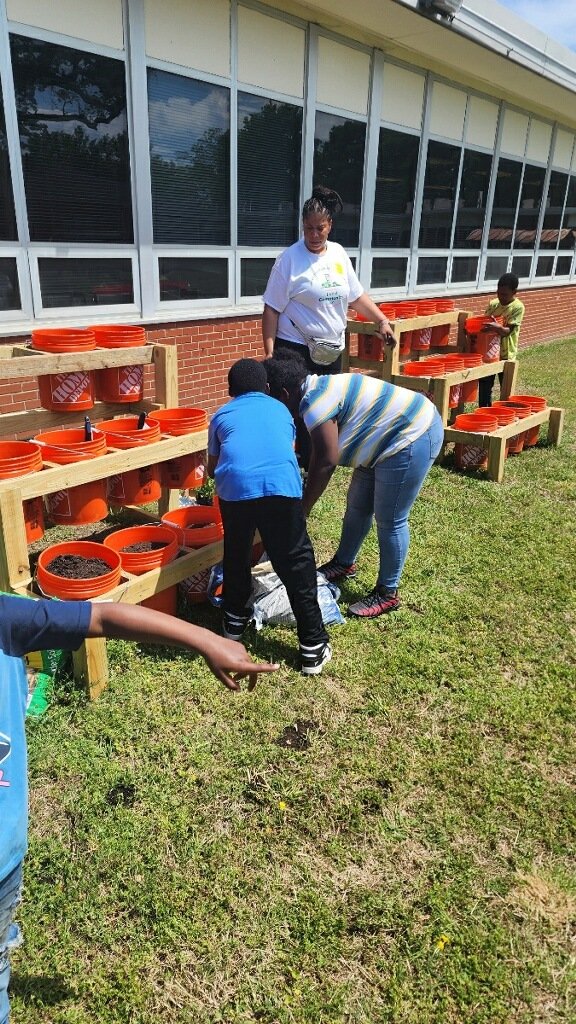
(65, 392)
(136, 486)
(77, 570)
(120, 383)
(471, 456)
(19, 458)
(74, 506)
(196, 525)
(142, 548)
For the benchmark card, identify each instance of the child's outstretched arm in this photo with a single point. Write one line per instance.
(227, 660)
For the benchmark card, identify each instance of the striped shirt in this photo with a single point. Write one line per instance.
(375, 419)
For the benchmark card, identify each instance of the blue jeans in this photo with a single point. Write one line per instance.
(387, 492)
(10, 935)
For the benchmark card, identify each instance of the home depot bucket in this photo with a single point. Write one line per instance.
(454, 363)
(369, 346)
(73, 506)
(196, 526)
(405, 311)
(422, 338)
(120, 383)
(441, 333)
(470, 387)
(471, 456)
(516, 445)
(135, 486)
(18, 458)
(536, 404)
(484, 343)
(185, 471)
(53, 585)
(505, 416)
(159, 547)
(65, 392)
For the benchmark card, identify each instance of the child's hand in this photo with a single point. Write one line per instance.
(230, 662)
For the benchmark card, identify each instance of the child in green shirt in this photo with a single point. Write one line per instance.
(512, 312)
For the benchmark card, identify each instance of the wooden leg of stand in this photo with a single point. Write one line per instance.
(509, 375)
(91, 666)
(555, 426)
(496, 457)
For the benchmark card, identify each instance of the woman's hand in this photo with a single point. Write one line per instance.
(367, 308)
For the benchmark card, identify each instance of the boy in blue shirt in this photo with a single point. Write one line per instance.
(27, 625)
(251, 456)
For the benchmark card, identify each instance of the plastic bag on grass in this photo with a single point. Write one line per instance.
(272, 607)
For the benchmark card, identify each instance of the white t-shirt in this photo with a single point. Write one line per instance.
(313, 291)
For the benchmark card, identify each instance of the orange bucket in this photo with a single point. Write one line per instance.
(486, 344)
(18, 458)
(185, 471)
(195, 525)
(136, 486)
(470, 387)
(405, 311)
(454, 363)
(120, 383)
(505, 417)
(66, 589)
(422, 338)
(516, 444)
(441, 333)
(86, 503)
(65, 392)
(370, 347)
(536, 404)
(139, 562)
(470, 456)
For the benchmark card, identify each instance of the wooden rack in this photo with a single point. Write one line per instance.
(90, 661)
(389, 368)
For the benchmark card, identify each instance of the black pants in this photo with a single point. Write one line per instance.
(282, 526)
(485, 386)
(302, 435)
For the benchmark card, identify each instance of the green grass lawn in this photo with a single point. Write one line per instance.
(415, 863)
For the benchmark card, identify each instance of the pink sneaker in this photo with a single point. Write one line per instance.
(376, 603)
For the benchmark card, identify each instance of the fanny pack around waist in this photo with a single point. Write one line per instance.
(323, 351)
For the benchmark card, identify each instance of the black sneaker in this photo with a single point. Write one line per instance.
(378, 602)
(314, 658)
(234, 626)
(334, 570)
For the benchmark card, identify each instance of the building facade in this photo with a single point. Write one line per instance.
(154, 158)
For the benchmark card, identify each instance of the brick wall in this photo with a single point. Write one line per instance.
(207, 348)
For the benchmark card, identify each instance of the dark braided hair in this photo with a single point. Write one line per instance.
(324, 201)
(286, 371)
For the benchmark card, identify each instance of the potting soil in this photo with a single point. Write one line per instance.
(145, 545)
(76, 567)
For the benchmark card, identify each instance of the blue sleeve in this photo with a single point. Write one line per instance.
(213, 442)
(27, 625)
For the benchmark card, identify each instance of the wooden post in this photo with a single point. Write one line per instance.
(509, 375)
(166, 375)
(14, 562)
(496, 457)
(555, 426)
(346, 352)
(91, 666)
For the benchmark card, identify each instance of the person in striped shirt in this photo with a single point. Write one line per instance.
(389, 436)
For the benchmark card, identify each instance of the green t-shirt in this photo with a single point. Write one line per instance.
(512, 316)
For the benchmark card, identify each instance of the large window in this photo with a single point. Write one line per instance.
(568, 230)
(190, 159)
(442, 164)
(193, 278)
(339, 164)
(9, 290)
(269, 148)
(505, 202)
(549, 235)
(395, 187)
(71, 109)
(530, 200)
(7, 215)
(472, 200)
(85, 282)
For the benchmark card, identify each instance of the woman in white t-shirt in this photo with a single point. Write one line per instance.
(310, 287)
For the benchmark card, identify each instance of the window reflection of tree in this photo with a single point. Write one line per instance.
(269, 155)
(442, 164)
(7, 214)
(71, 108)
(339, 164)
(395, 185)
(472, 200)
(190, 160)
(506, 196)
